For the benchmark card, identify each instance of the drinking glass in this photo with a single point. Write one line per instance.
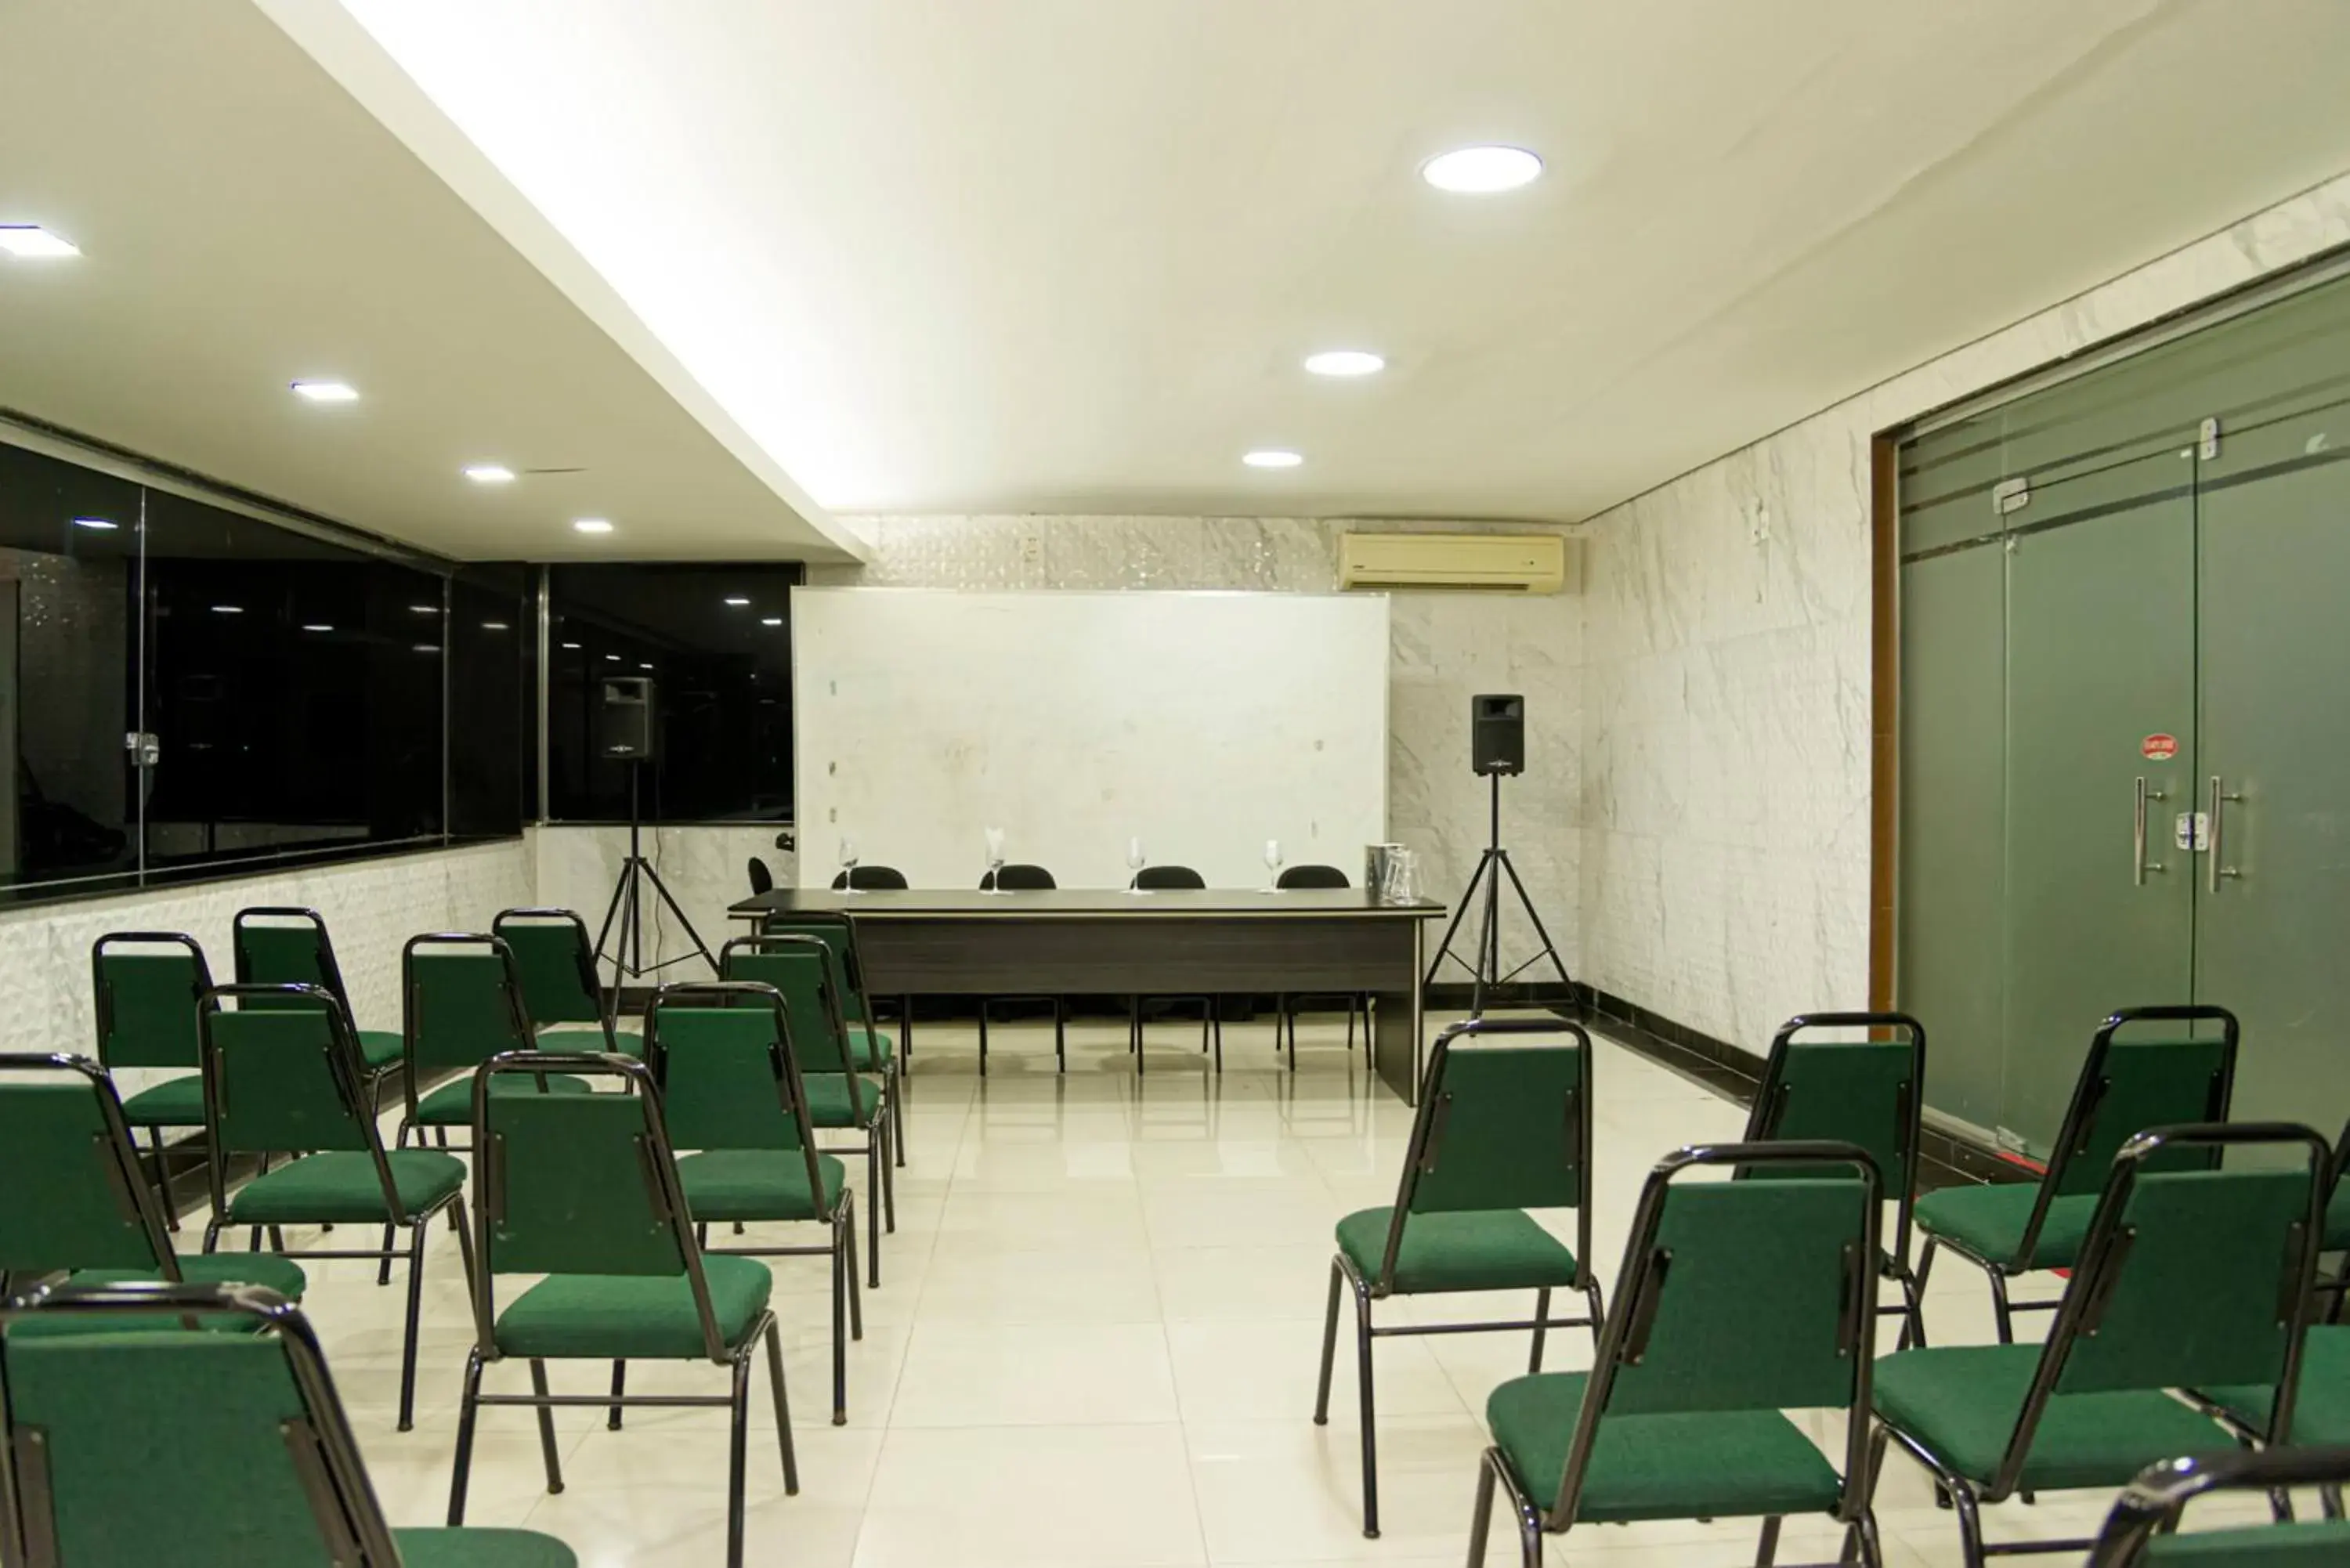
(994, 859)
(848, 865)
(1272, 865)
(1134, 863)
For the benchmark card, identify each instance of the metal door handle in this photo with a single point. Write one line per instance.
(2137, 838)
(2220, 794)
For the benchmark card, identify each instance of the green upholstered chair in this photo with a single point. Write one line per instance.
(146, 1443)
(560, 990)
(1737, 1302)
(280, 1077)
(283, 945)
(1504, 1126)
(461, 1004)
(807, 972)
(2138, 1532)
(145, 985)
(2192, 1274)
(583, 1191)
(75, 1201)
(1863, 1092)
(731, 1090)
(2008, 1229)
(873, 1048)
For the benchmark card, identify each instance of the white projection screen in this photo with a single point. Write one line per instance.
(1203, 723)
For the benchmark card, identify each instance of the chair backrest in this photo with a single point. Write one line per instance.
(1168, 879)
(2129, 1085)
(1310, 877)
(461, 1003)
(157, 1442)
(837, 933)
(1742, 1295)
(1862, 1092)
(76, 1198)
(2192, 1275)
(283, 1072)
(1505, 1123)
(720, 1052)
(2138, 1529)
(1019, 879)
(805, 971)
(146, 984)
(871, 878)
(761, 880)
(579, 1184)
(285, 946)
(555, 963)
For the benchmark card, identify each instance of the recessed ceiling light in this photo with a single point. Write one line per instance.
(102, 524)
(327, 391)
(1345, 362)
(1271, 457)
(228, 609)
(573, 646)
(737, 600)
(30, 242)
(490, 473)
(318, 625)
(771, 620)
(1481, 170)
(593, 525)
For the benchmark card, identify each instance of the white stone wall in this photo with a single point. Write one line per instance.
(1725, 810)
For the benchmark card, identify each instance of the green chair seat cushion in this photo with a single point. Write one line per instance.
(467, 1548)
(2318, 1544)
(1730, 1464)
(452, 1104)
(647, 1317)
(871, 1049)
(342, 1184)
(757, 1184)
(267, 1270)
(1478, 1249)
(174, 1103)
(1988, 1221)
(628, 1039)
(1962, 1403)
(2322, 1413)
(381, 1048)
(827, 1097)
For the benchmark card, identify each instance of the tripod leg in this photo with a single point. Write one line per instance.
(693, 936)
(1489, 944)
(1527, 903)
(1452, 929)
(604, 931)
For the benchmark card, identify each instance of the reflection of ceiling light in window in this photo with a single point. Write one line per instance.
(426, 610)
(490, 473)
(493, 626)
(737, 601)
(318, 625)
(101, 524)
(428, 648)
(573, 646)
(644, 667)
(611, 659)
(228, 609)
(327, 391)
(30, 242)
(771, 620)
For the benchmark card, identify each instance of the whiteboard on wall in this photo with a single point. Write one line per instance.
(1202, 723)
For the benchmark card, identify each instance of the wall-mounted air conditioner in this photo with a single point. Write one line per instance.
(1491, 562)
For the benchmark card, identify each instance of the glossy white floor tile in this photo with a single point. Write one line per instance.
(1095, 1343)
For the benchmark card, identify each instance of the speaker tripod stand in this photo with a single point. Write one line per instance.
(627, 954)
(1484, 893)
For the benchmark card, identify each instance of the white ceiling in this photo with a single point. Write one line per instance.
(1065, 255)
(245, 222)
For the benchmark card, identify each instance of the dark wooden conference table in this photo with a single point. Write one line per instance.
(1084, 941)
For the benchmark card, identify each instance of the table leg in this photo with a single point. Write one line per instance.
(1398, 1029)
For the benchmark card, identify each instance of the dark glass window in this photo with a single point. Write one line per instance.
(68, 617)
(722, 682)
(492, 643)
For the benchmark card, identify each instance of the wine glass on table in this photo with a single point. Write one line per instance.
(994, 860)
(1272, 865)
(848, 865)
(1134, 864)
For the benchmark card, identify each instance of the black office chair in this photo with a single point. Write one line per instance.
(1173, 879)
(872, 879)
(761, 880)
(1023, 879)
(1288, 1006)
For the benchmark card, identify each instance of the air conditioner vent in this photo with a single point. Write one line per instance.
(1488, 562)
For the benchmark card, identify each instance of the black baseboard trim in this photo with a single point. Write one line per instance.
(1455, 996)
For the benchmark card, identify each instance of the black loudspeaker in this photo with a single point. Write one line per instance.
(1497, 734)
(627, 729)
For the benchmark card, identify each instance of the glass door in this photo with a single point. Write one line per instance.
(2100, 657)
(2273, 922)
